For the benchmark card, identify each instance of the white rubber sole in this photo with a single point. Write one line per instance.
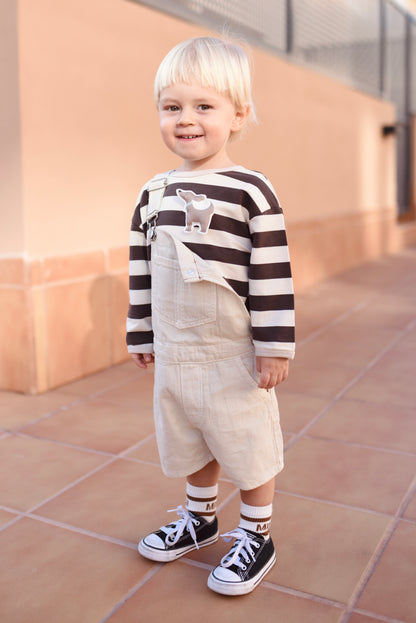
(161, 555)
(239, 588)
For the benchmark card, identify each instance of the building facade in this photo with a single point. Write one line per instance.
(79, 136)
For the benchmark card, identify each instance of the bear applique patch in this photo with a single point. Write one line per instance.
(198, 210)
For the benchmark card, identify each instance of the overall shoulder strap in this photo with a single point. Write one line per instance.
(156, 189)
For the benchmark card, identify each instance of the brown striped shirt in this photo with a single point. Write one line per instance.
(246, 243)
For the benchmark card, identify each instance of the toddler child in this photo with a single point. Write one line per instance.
(211, 303)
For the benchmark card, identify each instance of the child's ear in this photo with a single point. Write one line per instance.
(240, 118)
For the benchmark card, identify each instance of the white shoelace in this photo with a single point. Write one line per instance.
(176, 529)
(241, 550)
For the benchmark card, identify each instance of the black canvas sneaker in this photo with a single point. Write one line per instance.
(179, 537)
(245, 565)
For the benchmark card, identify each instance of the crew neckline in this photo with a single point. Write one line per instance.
(203, 172)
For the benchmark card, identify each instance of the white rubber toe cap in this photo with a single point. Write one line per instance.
(152, 540)
(225, 575)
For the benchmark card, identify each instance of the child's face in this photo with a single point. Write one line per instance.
(196, 123)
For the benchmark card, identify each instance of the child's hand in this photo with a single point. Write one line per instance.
(142, 360)
(273, 370)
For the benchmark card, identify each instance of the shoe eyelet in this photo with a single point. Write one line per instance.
(257, 545)
(197, 523)
(244, 568)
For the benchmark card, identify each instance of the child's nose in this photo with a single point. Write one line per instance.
(186, 117)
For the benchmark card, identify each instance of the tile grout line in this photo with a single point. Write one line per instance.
(378, 617)
(17, 517)
(365, 446)
(73, 484)
(76, 401)
(136, 446)
(297, 593)
(140, 461)
(68, 405)
(408, 520)
(131, 377)
(66, 444)
(227, 500)
(194, 563)
(406, 499)
(333, 323)
(360, 305)
(113, 457)
(351, 383)
(21, 514)
(302, 496)
(69, 527)
(76, 529)
(362, 509)
(276, 587)
(378, 553)
(148, 576)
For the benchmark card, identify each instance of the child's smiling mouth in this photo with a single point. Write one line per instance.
(188, 137)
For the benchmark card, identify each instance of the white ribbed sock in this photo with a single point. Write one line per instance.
(202, 500)
(256, 518)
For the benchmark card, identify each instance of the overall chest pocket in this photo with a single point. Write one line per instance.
(179, 303)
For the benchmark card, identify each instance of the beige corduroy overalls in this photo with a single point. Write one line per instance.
(206, 400)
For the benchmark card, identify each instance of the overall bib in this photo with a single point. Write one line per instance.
(206, 400)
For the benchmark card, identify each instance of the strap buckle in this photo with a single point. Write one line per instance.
(156, 191)
(152, 226)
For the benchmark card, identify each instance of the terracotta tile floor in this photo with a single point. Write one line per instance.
(80, 482)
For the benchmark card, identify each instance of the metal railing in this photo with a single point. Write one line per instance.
(368, 44)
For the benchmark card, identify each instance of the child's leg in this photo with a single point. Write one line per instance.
(202, 491)
(197, 526)
(252, 554)
(261, 496)
(205, 477)
(257, 507)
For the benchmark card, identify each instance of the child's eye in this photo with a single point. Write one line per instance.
(204, 106)
(172, 107)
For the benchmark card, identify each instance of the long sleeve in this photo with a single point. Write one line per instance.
(270, 298)
(139, 318)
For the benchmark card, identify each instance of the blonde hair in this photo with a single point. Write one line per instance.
(210, 62)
